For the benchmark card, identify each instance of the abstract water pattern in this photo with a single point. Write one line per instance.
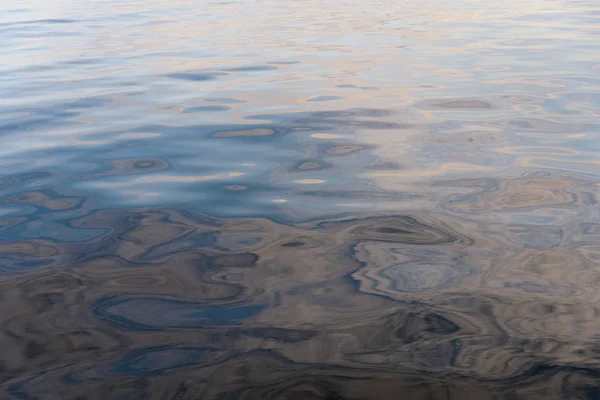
(299, 200)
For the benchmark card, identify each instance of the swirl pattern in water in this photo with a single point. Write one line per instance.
(299, 200)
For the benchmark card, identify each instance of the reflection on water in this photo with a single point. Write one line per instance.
(354, 306)
(310, 200)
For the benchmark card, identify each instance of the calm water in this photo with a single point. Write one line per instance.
(341, 199)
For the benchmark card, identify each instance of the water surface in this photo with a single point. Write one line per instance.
(299, 200)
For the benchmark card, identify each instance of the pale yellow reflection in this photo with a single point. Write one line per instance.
(164, 178)
(325, 136)
(309, 181)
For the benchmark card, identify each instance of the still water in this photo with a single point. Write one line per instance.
(342, 199)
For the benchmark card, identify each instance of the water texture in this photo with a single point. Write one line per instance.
(342, 199)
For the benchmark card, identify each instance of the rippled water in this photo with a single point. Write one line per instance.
(299, 200)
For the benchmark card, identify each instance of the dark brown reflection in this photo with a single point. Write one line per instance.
(171, 304)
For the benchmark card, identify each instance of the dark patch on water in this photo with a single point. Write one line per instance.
(325, 98)
(196, 77)
(154, 313)
(206, 109)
